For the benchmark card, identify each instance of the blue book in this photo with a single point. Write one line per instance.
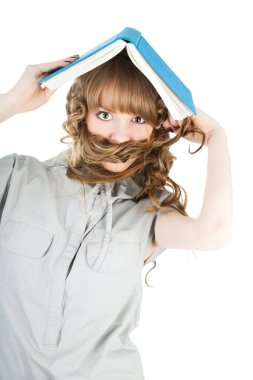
(176, 96)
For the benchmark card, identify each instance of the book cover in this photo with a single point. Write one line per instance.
(152, 58)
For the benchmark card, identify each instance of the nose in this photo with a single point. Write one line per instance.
(118, 139)
(119, 135)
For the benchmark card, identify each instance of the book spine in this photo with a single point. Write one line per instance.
(130, 35)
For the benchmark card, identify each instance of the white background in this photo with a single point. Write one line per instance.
(196, 322)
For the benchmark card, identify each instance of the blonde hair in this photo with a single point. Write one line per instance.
(133, 93)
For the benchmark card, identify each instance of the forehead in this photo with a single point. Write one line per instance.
(112, 100)
(107, 100)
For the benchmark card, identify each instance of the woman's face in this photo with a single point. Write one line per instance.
(118, 128)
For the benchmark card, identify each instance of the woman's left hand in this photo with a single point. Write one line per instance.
(202, 121)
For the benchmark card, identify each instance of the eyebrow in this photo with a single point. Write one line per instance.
(111, 110)
(105, 108)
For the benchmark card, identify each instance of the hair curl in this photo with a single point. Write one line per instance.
(133, 93)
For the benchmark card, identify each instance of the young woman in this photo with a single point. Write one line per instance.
(77, 229)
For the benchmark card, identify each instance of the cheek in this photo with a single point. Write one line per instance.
(143, 132)
(94, 127)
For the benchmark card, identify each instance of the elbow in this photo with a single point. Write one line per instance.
(223, 235)
(224, 242)
(212, 237)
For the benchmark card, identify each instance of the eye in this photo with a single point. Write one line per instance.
(139, 117)
(102, 112)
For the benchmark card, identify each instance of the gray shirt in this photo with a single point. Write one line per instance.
(71, 260)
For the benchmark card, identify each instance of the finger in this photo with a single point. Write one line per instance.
(166, 124)
(50, 66)
(168, 127)
(173, 122)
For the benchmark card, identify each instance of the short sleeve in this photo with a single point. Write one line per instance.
(7, 164)
(158, 250)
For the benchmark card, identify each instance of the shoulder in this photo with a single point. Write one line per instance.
(17, 158)
(25, 169)
(23, 166)
(14, 161)
(24, 160)
(9, 158)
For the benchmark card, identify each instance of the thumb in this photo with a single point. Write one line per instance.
(48, 93)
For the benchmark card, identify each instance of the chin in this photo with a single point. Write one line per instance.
(115, 167)
(120, 167)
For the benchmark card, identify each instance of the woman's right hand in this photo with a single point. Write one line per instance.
(27, 95)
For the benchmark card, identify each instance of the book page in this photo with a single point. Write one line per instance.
(87, 64)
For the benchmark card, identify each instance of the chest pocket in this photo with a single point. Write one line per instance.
(111, 285)
(22, 254)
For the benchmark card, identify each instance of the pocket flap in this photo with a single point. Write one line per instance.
(25, 239)
(123, 250)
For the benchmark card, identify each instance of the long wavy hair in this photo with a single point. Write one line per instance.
(133, 93)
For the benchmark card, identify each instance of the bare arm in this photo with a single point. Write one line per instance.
(217, 205)
(8, 107)
(213, 228)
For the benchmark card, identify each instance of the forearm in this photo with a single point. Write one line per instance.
(217, 208)
(7, 106)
